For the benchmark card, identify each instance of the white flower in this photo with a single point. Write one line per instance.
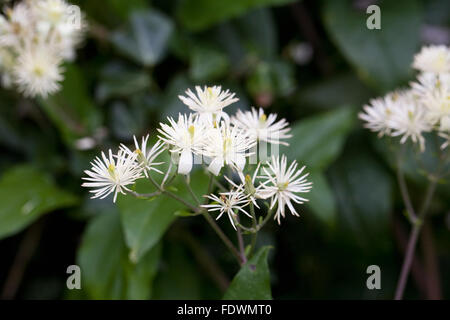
(377, 114)
(283, 184)
(185, 137)
(228, 202)
(434, 59)
(248, 185)
(262, 128)
(433, 91)
(209, 102)
(227, 145)
(53, 12)
(38, 71)
(146, 157)
(17, 26)
(112, 174)
(409, 119)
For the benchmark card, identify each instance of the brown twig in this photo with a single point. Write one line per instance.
(27, 247)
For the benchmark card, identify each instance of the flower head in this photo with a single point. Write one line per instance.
(377, 114)
(409, 119)
(209, 101)
(435, 59)
(228, 202)
(184, 137)
(261, 127)
(146, 157)
(433, 91)
(112, 174)
(227, 145)
(38, 71)
(283, 184)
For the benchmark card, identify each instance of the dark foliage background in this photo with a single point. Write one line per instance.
(313, 62)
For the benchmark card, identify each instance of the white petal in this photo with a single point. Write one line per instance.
(185, 163)
(215, 165)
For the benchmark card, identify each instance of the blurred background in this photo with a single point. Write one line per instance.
(313, 62)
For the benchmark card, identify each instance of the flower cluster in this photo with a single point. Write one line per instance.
(209, 136)
(423, 107)
(36, 37)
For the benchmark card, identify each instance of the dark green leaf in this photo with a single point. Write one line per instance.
(363, 190)
(318, 140)
(72, 109)
(381, 57)
(146, 221)
(321, 198)
(207, 64)
(146, 37)
(26, 194)
(253, 280)
(107, 272)
(197, 15)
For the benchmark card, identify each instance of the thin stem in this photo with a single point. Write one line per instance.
(241, 246)
(222, 236)
(406, 267)
(174, 196)
(145, 195)
(193, 195)
(404, 190)
(254, 235)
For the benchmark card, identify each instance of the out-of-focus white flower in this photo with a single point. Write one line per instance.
(146, 157)
(377, 115)
(209, 102)
(185, 137)
(38, 71)
(227, 145)
(112, 174)
(17, 26)
(435, 59)
(261, 127)
(35, 29)
(228, 202)
(409, 119)
(433, 91)
(283, 184)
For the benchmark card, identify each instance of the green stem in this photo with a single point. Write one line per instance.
(222, 236)
(409, 256)
(254, 235)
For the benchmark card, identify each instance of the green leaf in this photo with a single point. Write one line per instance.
(318, 140)
(26, 194)
(197, 15)
(252, 282)
(363, 189)
(107, 272)
(321, 198)
(146, 37)
(71, 109)
(146, 221)
(118, 81)
(341, 89)
(207, 64)
(381, 57)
